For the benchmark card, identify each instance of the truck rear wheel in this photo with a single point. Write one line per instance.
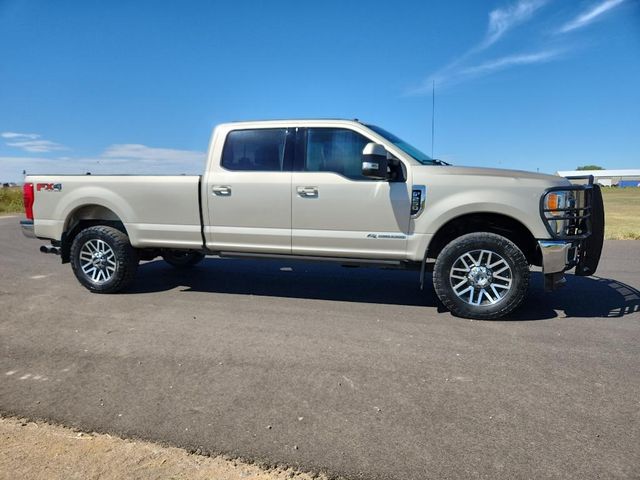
(481, 275)
(103, 260)
(182, 258)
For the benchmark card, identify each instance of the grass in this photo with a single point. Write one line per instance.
(622, 207)
(11, 200)
(622, 213)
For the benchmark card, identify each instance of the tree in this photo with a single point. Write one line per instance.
(590, 167)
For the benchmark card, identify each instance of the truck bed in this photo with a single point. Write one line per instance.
(157, 210)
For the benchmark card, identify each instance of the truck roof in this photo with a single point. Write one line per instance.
(292, 121)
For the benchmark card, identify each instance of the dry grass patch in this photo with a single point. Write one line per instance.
(11, 200)
(622, 210)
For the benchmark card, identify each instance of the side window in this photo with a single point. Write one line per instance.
(335, 150)
(255, 150)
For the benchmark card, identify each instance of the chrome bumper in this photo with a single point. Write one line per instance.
(555, 255)
(27, 228)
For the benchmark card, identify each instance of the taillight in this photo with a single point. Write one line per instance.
(28, 197)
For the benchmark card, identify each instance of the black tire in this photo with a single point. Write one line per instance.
(479, 297)
(182, 258)
(120, 267)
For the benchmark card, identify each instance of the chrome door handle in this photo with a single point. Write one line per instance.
(221, 190)
(307, 191)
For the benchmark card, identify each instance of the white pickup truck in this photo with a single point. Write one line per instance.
(332, 190)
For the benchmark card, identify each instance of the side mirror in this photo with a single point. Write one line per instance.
(374, 161)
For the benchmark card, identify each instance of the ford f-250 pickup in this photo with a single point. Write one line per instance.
(333, 190)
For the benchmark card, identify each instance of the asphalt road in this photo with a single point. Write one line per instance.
(350, 371)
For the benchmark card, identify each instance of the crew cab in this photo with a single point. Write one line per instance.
(330, 190)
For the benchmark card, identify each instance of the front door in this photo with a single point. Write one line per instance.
(336, 211)
(249, 193)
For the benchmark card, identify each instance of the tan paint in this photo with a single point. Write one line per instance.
(156, 210)
(265, 214)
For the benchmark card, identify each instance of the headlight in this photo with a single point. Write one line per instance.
(556, 203)
(566, 211)
(558, 208)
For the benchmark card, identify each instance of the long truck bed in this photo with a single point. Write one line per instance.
(162, 210)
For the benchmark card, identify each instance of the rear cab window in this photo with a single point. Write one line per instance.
(264, 150)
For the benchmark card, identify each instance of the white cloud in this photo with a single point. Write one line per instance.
(118, 158)
(37, 146)
(133, 151)
(461, 73)
(30, 142)
(19, 136)
(510, 61)
(501, 20)
(589, 16)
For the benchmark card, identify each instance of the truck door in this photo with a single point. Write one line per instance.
(336, 211)
(249, 192)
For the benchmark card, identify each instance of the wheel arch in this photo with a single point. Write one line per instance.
(497, 223)
(85, 216)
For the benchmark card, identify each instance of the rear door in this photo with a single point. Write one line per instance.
(249, 192)
(336, 211)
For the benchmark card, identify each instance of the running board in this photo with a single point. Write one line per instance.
(304, 258)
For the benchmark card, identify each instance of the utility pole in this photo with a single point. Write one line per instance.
(433, 115)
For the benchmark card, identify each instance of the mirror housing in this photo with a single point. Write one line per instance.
(375, 164)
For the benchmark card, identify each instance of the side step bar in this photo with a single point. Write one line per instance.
(304, 258)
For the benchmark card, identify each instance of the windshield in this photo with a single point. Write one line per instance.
(410, 150)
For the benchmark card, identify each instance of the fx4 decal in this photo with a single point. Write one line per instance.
(49, 187)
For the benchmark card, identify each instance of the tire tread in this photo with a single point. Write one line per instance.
(469, 242)
(125, 254)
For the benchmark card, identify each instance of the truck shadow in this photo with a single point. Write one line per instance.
(582, 297)
(586, 297)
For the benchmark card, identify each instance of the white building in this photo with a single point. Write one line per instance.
(608, 178)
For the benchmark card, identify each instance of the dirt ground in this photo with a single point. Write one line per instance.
(34, 450)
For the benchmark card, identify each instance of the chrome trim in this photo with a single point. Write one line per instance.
(480, 277)
(375, 149)
(221, 190)
(554, 255)
(27, 228)
(423, 199)
(370, 165)
(307, 191)
(98, 261)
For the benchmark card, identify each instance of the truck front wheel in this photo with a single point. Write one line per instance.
(481, 275)
(103, 260)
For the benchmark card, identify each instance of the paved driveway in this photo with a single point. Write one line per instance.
(352, 371)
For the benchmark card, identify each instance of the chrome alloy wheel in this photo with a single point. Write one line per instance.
(480, 277)
(97, 260)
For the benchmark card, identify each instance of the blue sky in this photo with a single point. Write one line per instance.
(124, 86)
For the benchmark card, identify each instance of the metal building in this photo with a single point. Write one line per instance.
(609, 178)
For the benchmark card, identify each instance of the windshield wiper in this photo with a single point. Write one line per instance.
(435, 161)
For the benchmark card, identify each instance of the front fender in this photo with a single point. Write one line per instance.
(521, 207)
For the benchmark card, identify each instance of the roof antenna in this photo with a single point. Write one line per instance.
(433, 115)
